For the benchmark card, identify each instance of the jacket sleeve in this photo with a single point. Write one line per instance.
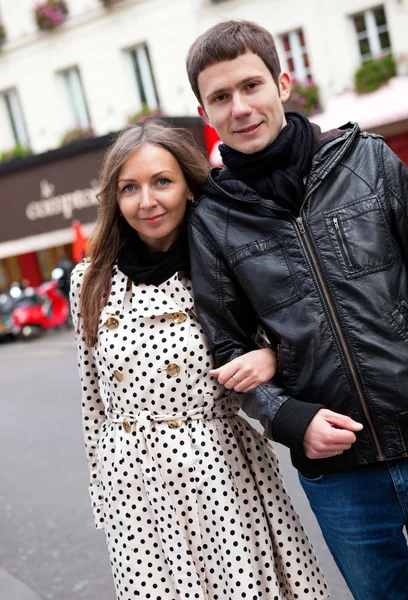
(93, 413)
(395, 173)
(230, 324)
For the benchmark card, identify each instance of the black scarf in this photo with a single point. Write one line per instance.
(277, 171)
(143, 266)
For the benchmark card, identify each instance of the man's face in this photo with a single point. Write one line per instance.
(242, 103)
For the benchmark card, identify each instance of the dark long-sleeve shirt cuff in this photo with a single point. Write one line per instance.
(291, 422)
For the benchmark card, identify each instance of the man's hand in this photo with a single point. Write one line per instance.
(246, 372)
(329, 434)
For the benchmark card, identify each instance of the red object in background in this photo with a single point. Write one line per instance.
(212, 142)
(79, 243)
(45, 309)
(30, 269)
(399, 144)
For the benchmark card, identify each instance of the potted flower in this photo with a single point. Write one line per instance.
(76, 134)
(50, 14)
(108, 3)
(374, 73)
(3, 34)
(144, 114)
(17, 152)
(304, 98)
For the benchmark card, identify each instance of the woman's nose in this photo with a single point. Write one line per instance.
(147, 199)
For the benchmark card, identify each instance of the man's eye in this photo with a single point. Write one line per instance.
(252, 85)
(219, 98)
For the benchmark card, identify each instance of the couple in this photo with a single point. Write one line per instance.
(298, 256)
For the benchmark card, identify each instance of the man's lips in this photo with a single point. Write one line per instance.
(247, 130)
(153, 219)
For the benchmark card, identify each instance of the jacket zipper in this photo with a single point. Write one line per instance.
(336, 323)
(340, 236)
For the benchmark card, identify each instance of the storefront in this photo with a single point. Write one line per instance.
(40, 197)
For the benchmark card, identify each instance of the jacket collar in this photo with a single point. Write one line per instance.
(223, 183)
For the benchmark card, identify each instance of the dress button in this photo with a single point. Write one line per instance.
(127, 426)
(112, 323)
(174, 424)
(179, 317)
(118, 375)
(173, 370)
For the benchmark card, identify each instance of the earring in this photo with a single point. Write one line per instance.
(190, 200)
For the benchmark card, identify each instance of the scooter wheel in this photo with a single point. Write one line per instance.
(30, 331)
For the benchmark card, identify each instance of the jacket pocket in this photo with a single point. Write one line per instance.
(361, 237)
(399, 319)
(266, 274)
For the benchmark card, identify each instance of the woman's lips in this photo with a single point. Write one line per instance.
(154, 220)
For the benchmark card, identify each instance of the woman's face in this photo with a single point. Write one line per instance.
(152, 196)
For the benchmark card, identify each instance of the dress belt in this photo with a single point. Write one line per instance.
(178, 555)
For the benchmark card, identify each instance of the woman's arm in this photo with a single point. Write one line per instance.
(93, 413)
(246, 372)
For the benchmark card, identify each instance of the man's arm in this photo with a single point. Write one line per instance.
(395, 173)
(230, 324)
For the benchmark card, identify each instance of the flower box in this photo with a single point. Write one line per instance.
(144, 114)
(17, 152)
(50, 14)
(374, 73)
(76, 134)
(304, 98)
(108, 3)
(3, 34)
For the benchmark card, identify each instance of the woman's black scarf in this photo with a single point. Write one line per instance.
(277, 172)
(143, 266)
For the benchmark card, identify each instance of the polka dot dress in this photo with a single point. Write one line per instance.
(189, 495)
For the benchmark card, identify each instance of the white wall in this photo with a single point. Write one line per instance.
(94, 39)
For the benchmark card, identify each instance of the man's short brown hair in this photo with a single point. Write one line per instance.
(226, 41)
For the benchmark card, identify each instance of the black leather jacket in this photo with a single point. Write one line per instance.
(328, 285)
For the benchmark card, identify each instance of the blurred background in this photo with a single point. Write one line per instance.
(72, 74)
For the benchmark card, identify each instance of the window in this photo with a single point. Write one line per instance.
(293, 52)
(76, 97)
(14, 116)
(145, 83)
(371, 32)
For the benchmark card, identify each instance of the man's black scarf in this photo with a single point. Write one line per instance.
(277, 172)
(143, 266)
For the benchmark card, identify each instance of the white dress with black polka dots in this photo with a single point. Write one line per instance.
(189, 495)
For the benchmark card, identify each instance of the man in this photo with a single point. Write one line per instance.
(305, 235)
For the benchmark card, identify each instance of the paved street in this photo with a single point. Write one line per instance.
(48, 546)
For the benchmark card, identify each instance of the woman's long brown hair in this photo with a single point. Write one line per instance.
(110, 229)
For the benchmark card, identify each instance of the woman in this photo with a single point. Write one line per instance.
(189, 495)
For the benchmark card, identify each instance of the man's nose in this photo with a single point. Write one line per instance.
(240, 106)
(147, 199)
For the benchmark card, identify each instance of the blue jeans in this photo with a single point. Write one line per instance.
(362, 514)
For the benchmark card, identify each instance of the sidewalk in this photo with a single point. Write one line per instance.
(13, 589)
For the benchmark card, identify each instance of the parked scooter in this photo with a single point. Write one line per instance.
(8, 330)
(40, 309)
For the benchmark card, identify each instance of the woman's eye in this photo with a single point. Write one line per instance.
(163, 181)
(128, 188)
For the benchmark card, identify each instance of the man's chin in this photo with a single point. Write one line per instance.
(250, 147)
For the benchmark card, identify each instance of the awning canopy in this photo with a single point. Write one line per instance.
(385, 106)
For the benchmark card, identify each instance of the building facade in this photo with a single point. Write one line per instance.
(109, 60)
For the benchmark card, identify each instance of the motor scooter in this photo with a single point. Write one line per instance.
(40, 309)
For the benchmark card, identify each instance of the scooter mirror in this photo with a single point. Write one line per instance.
(57, 273)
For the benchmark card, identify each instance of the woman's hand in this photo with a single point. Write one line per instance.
(246, 372)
